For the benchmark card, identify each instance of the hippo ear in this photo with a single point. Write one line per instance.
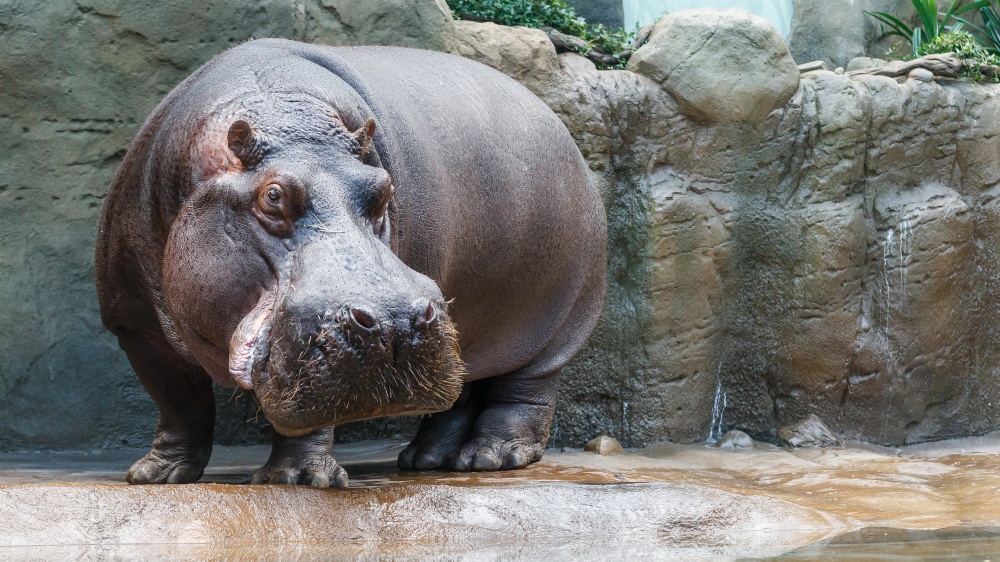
(364, 136)
(243, 144)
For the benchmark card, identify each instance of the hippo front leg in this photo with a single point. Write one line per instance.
(183, 393)
(303, 460)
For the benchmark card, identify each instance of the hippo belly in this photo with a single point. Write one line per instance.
(351, 233)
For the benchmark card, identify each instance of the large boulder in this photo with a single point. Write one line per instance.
(833, 31)
(720, 65)
(527, 55)
(425, 24)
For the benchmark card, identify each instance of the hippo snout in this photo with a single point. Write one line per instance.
(356, 360)
(377, 334)
(419, 316)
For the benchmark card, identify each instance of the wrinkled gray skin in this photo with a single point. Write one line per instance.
(315, 224)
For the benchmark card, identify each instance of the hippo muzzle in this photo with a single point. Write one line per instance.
(353, 334)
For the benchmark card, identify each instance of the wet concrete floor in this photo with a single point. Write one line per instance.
(666, 502)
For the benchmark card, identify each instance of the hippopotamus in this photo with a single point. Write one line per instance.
(350, 233)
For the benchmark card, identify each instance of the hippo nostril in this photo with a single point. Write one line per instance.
(363, 319)
(424, 312)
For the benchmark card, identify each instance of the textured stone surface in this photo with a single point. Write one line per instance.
(735, 439)
(835, 258)
(859, 63)
(836, 31)
(568, 509)
(721, 66)
(608, 13)
(810, 432)
(666, 502)
(603, 445)
(425, 24)
(77, 78)
(527, 55)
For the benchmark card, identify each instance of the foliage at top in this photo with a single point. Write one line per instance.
(933, 23)
(556, 14)
(967, 48)
(937, 34)
(990, 31)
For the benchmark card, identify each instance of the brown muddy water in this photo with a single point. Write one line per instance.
(666, 502)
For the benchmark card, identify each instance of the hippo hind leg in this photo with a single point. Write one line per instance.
(183, 393)
(303, 460)
(443, 434)
(502, 425)
(513, 428)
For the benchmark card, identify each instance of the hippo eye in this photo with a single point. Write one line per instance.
(272, 199)
(275, 208)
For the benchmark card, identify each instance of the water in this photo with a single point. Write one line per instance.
(718, 408)
(667, 502)
(880, 543)
(626, 424)
(898, 249)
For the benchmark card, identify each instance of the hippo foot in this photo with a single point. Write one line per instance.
(481, 454)
(159, 467)
(319, 472)
(487, 453)
(466, 439)
(302, 460)
(440, 438)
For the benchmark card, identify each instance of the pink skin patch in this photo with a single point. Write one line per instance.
(248, 333)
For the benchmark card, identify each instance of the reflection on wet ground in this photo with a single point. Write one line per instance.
(670, 502)
(897, 545)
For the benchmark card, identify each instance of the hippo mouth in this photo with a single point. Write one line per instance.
(339, 374)
(248, 346)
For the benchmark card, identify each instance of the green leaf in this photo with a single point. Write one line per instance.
(927, 11)
(898, 27)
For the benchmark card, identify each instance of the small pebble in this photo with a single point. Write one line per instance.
(921, 74)
(603, 445)
(735, 439)
(839, 70)
(810, 432)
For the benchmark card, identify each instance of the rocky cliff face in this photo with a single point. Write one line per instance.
(817, 245)
(779, 244)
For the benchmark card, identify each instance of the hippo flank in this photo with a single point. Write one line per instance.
(351, 233)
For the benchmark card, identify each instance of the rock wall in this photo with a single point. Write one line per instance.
(779, 244)
(833, 256)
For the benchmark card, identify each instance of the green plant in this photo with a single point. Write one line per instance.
(538, 14)
(932, 23)
(990, 30)
(991, 24)
(973, 54)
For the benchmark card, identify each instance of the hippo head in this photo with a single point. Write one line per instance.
(280, 274)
